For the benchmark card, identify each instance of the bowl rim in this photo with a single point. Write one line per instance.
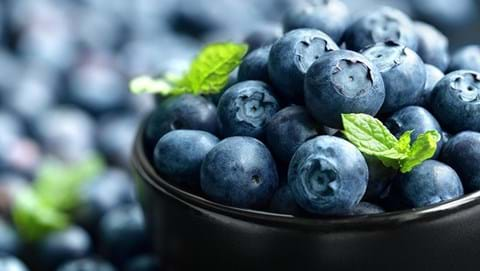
(149, 175)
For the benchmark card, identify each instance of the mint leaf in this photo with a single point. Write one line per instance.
(371, 137)
(404, 141)
(211, 69)
(422, 149)
(209, 73)
(58, 185)
(34, 218)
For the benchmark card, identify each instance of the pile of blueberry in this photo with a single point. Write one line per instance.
(274, 140)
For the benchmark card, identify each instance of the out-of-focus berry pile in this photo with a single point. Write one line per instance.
(64, 71)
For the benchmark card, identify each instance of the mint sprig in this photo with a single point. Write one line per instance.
(47, 206)
(373, 138)
(208, 73)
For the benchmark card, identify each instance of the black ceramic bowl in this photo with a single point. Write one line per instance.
(193, 233)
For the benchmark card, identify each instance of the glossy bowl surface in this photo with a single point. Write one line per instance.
(193, 233)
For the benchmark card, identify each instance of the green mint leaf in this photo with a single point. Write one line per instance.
(370, 135)
(211, 69)
(422, 149)
(404, 141)
(58, 185)
(35, 218)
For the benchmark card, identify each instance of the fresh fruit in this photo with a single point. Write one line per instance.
(291, 57)
(122, 234)
(382, 25)
(332, 17)
(434, 75)
(328, 176)
(379, 179)
(240, 172)
(255, 65)
(403, 73)
(105, 192)
(466, 58)
(462, 152)
(432, 46)
(60, 247)
(342, 82)
(245, 109)
(430, 183)
(456, 101)
(178, 156)
(298, 124)
(181, 112)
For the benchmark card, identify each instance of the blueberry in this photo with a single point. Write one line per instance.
(255, 66)
(445, 13)
(430, 183)
(379, 179)
(9, 263)
(245, 108)
(9, 240)
(105, 192)
(87, 264)
(342, 82)
(366, 208)
(240, 172)
(34, 93)
(414, 118)
(403, 73)
(123, 235)
(181, 112)
(462, 152)
(60, 247)
(115, 137)
(284, 202)
(466, 58)
(291, 57)
(97, 87)
(434, 75)
(143, 263)
(331, 17)
(66, 132)
(385, 24)
(179, 155)
(456, 101)
(295, 122)
(328, 176)
(432, 46)
(262, 37)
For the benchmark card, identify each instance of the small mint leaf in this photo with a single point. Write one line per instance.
(211, 69)
(35, 218)
(370, 135)
(422, 149)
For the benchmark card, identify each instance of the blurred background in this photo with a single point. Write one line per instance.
(67, 120)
